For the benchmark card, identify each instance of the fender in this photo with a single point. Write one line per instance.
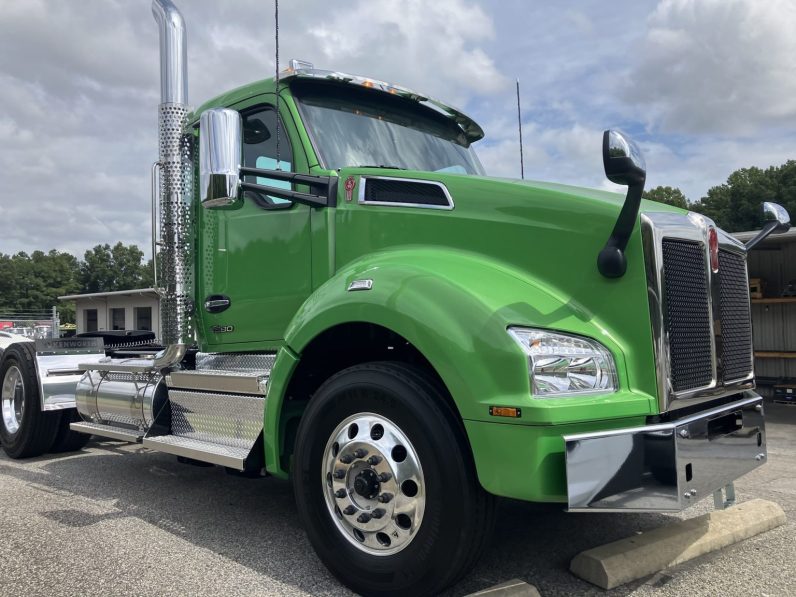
(454, 307)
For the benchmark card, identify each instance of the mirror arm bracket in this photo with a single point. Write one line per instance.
(762, 235)
(611, 262)
(305, 198)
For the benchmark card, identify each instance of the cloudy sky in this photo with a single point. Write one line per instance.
(705, 86)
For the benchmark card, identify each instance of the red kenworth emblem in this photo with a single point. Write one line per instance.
(349, 187)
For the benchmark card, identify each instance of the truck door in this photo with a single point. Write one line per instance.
(254, 262)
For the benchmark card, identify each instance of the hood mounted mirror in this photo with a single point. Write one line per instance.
(624, 164)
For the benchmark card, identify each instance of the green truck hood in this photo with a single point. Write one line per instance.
(546, 234)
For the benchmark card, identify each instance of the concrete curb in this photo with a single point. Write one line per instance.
(512, 588)
(622, 561)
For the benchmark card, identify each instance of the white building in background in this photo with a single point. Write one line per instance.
(120, 310)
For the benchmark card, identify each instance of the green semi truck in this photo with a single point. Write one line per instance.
(347, 300)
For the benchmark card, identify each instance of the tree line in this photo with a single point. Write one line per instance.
(736, 204)
(33, 283)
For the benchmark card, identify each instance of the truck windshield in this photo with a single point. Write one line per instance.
(365, 128)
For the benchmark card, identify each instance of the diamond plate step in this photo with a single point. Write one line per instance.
(199, 450)
(127, 435)
(234, 382)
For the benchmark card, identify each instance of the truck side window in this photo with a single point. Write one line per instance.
(259, 151)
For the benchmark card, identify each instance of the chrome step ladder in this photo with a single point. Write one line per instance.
(217, 409)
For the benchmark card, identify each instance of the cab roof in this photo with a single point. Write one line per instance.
(470, 128)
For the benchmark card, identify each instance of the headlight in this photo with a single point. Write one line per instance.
(565, 365)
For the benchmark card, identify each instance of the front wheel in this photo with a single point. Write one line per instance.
(385, 484)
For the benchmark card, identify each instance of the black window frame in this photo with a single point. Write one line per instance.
(258, 198)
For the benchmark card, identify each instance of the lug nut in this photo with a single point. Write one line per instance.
(378, 513)
(349, 510)
(346, 459)
(385, 497)
(360, 453)
(340, 493)
(374, 460)
(363, 518)
(384, 477)
(339, 473)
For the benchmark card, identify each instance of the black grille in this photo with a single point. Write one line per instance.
(736, 322)
(401, 191)
(687, 314)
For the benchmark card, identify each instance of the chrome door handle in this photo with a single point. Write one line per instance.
(217, 303)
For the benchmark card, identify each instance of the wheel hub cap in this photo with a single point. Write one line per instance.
(373, 484)
(366, 484)
(12, 399)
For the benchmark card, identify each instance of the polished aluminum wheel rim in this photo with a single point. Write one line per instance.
(373, 484)
(12, 399)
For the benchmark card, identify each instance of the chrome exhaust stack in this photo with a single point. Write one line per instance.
(175, 189)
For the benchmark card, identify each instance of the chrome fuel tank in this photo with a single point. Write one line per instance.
(120, 398)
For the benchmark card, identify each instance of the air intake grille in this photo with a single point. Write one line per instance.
(687, 314)
(736, 323)
(407, 192)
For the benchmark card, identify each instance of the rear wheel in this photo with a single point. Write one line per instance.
(385, 484)
(67, 440)
(25, 430)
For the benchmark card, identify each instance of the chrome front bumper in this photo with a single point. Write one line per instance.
(666, 467)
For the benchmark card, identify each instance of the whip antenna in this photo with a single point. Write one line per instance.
(519, 125)
(276, 30)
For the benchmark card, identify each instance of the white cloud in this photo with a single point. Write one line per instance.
(79, 92)
(718, 66)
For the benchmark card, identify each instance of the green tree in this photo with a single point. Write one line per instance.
(106, 268)
(736, 204)
(34, 282)
(667, 195)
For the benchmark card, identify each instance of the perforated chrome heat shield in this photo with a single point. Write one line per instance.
(176, 226)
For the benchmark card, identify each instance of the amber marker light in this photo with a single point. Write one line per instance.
(505, 411)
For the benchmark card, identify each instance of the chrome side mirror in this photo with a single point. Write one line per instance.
(774, 212)
(220, 134)
(622, 159)
(777, 221)
(624, 164)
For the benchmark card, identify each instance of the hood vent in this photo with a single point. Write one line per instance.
(404, 192)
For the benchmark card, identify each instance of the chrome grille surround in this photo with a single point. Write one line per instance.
(691, 228)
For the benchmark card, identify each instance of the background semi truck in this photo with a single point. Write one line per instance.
(348, 301)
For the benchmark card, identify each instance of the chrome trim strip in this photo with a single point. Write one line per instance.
(665, 467)
(363, 181)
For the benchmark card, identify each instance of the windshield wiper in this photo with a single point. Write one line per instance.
(382, 166)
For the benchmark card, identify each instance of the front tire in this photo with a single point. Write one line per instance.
(385, 484)
(25, 430)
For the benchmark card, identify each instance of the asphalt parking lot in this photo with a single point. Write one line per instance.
(117, 519)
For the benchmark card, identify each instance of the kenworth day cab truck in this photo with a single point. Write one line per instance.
(347, 300)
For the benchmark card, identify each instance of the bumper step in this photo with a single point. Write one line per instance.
(126, 435)
(233, 457)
